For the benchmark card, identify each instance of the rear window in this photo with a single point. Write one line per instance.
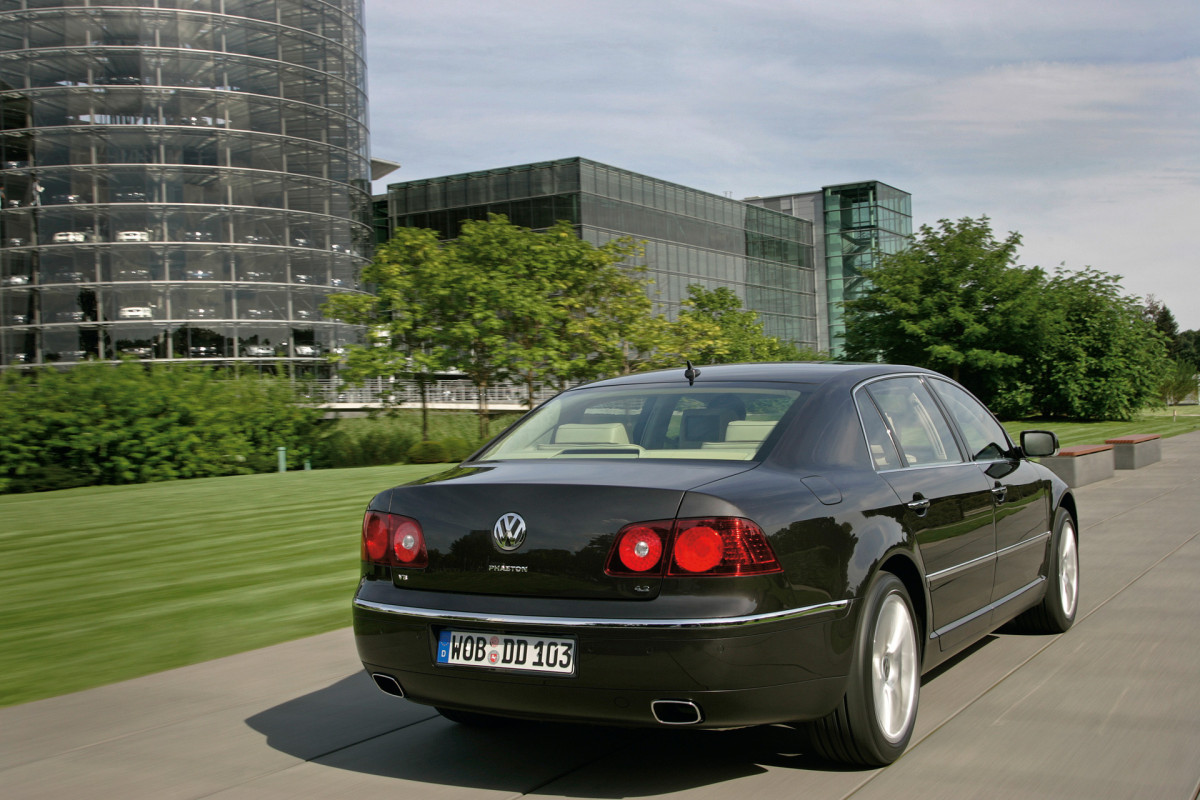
(728, 423)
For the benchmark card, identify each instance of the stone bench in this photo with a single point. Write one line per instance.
(1134, 452)
(1082, 464)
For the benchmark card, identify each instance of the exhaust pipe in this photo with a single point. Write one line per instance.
(676, 712)
(387, 684)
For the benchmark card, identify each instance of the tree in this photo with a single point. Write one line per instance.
(1101, 358)
(1179, 383)
(714, 328)
(403, 316)
(1188, 347)
(955, 301)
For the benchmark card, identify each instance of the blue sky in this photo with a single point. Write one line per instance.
(1074, 123)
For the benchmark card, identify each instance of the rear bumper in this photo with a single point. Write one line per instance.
(748, 670)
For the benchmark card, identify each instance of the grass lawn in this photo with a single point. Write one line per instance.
(106, 583)
(1163, 422)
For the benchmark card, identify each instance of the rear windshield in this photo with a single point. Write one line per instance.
(728, 423)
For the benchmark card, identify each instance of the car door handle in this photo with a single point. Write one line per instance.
(1000, 493)
(919, 505)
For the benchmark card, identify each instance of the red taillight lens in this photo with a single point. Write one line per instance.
(393, 540)
(721, 546)
(698, 549)
(691, 548)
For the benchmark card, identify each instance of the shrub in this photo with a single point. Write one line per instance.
(428, 452)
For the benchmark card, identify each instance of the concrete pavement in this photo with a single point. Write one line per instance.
(1109, 709)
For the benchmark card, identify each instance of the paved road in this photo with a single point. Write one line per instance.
(1109, 709)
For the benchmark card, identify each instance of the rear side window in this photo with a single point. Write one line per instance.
(879, 439)
(920, 429)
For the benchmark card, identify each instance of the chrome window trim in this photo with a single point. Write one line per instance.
(441, 616)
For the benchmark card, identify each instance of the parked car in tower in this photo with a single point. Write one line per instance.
(73, 237)
(136, 312)
(133, 236)
(715, 548)
(259, 350)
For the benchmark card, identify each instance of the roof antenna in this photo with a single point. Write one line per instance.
(691, 373)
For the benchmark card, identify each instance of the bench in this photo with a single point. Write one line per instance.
(1082, 464)
(1136, 451)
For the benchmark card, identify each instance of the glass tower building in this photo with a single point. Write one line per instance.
(690, 236)
(859, 222)
(180, 179)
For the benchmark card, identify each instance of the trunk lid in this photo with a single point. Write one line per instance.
(571, 514)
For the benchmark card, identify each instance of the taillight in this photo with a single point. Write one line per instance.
(639, 549)
(393, 540)
(692, 548)
(721, 546)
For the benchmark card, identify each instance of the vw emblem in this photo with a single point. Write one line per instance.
(509, 532)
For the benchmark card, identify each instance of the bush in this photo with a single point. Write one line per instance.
(129, 423)
(366, 443)
(457, 448)
(428, 452)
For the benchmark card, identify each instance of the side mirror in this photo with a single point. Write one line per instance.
(1037, 444)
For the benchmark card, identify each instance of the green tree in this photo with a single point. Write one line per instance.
(403, 316)
(1101, 358)
(714, 328)
(1187, 345)
(1179, 383)
(955, 301)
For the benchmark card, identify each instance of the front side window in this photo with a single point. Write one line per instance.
(986, 440)
(729, 422)
(921, 431)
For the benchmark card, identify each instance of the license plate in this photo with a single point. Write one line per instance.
(506, 652)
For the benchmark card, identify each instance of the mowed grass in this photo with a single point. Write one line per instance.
(100, 584)
(1164, 422)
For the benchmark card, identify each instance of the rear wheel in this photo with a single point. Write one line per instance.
(875, 720)
(1056, 612)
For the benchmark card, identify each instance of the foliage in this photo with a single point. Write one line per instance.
(714, 328)
(1100, 358)
(955, 302)
(126, 423)
(367, 443)
(1025, 343)
(403, 314)
(428, 452)
(1179, 383)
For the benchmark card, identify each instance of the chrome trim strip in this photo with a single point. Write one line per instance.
(945, 573)
(987, 609)
(588, 622)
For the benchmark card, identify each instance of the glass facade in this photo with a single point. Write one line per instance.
(862, 221)
(690, 237)
(181, 178)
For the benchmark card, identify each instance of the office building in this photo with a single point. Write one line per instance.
(856, 223)
(182, 179)
(691, 237)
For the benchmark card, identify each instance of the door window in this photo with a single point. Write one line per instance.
(986, 440)
(920, 429)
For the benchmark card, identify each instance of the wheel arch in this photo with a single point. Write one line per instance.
(904, 568)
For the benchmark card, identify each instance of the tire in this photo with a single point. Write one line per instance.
(1056, 612)
(875, 720)
(472, 719)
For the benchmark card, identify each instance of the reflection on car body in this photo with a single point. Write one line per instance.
(730, 546)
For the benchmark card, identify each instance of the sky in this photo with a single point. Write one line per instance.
(1073, 123)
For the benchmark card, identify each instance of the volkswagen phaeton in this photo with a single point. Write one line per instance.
(719, 547)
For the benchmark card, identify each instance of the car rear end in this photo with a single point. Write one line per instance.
(606, 581)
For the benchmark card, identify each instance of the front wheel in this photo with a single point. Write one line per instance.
(875, 720)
